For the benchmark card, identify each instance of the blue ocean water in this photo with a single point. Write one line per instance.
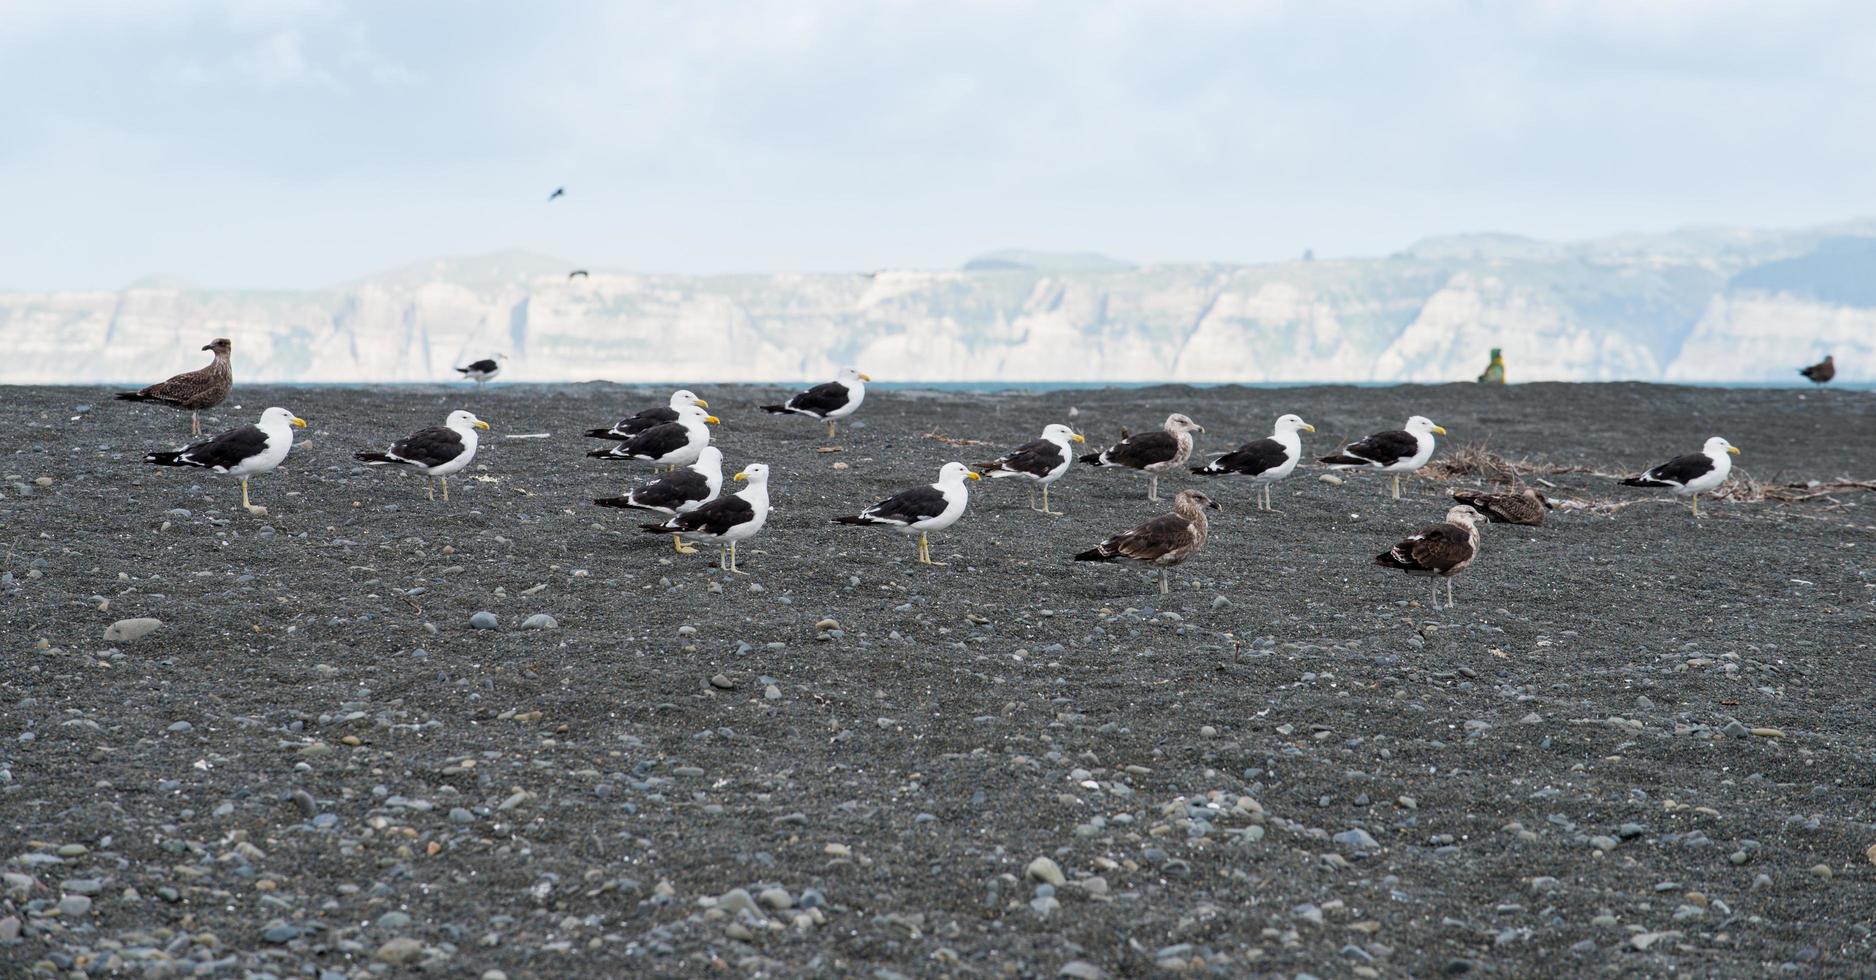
(1046, 386)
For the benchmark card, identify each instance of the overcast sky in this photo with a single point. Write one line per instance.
(291, 143)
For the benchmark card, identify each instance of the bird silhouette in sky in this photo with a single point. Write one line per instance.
(577, 274)
(558, 192)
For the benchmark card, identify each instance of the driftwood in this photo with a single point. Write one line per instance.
(1478, 462)
(936, 436)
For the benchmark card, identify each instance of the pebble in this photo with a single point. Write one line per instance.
(75, 906)
(1331, 479)
(827, 624)
(484, 620)
(738, 900)
(776, 898)
(1357, 838)
(1044, 869)
(722, 682)
(128, 630)
(1081, 970)
(540, 621)
(1822, 871)
(400, 951)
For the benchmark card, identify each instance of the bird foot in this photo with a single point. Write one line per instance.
(686, 549)
(257, 510)
(1051, 513)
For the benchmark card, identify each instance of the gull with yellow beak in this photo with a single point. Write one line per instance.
(435, 452)
(671, 444)
(1263, 460)
(241, 452)
(1394, 452)
(725, 520)
(920, 510)
(1693, 474)
(634, 424)
(1043, 461)
(834, 400)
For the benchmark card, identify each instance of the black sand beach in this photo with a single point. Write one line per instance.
(1640, 743)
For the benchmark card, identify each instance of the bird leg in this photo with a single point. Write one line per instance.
(195, 424)
(1165, 587)
(445, 481)
(1449, 593)
(1696, 499)
(723, 559)
(1397, 486)
(429, 488)
(1152, 486)
(830, 430)
(1045, 503)
(1032, 497)
(924, 550)
(733, 569)
(678, 545)
(244, 495)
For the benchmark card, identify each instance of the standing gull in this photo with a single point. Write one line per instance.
(240, 452)
(194, 391)
(1152, 452)
(632, 425)
(435, 452)
(678, 492)
(1524, 506)
(725, 520)
(1693, 474)
(1043, 461)
(1167, 540)
(1442, 549)
(922, 509)
(672, 444)
(1263, 460)
(1394, 452)
(832, 401)
(483, 371)
(1822, 371)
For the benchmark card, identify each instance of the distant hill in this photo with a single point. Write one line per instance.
(1692, 304)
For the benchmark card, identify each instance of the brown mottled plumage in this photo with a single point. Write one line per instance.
(1166, 540)
(193, 391)
(1525, 506)
(1444, 550)
(1822, 371)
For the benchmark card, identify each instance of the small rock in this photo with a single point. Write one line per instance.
(400, 951)
(776, 898)
(722, 682)
(1822, 871)
(540, 621)
(1045, 870)
(827, 624)
(127, 630)
(1081, 970)
(1331, 479)
(74, 906)
(482, 620)
(1359, 839)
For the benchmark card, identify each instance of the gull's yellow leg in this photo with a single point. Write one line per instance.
(677, 544)
(445, 480)
(244, 495)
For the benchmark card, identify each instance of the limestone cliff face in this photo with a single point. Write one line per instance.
(1693, 306)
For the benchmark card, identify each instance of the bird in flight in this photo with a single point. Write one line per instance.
(578, 274)
(558, 192)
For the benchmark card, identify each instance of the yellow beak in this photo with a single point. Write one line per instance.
(740, 476)
(1438, 430)
(299, 423)
(1310, 428)
(481, 424)
(973, 475)
(713, 420)
(866, 377)
(1733, 449)
(1077, 437)
(702, 404)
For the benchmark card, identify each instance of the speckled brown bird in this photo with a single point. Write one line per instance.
(1443, 550)
(195, 391)
(1524, 506)
(1166, 540)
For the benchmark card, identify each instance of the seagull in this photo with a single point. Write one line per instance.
(558, 192)
(193, 391)
(578, 274)
(1693, 474)
(677, 492)
(1821, 372)
(1167, 540)
(672, 444)
(1525, 506)
(833, 400)
(632, 425)
(726, 520)
(1152, 452)
(240, 452)
(483, 371)
(1442, 549)
(435, 452)
(1043, 461)
(1395, 452)
(922, 509)
(1263, 460)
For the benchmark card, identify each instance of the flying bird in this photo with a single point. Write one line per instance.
(725, 520)
(1393, 452)
(678, 492)
(483, 371)
(1151, 452)
(240, 452)
(578, 274)
(1167, 540)
(1524, 506)
(1043, 461)
(672, 444)
(832, 401)
(920, 510)
(435, 452)
(632, 425)
(1693, 474)
(1822, 371)
(1263, 460)
(558, 192)
(194, 391)
(1443, 550)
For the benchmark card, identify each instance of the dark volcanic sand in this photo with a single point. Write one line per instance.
(278, 780)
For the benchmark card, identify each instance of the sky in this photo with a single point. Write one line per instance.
(299, 143)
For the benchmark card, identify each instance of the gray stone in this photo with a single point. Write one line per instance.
(1045, 869)
(540, 621)
(128, 630)
(1359, 839)
(483, 620)
(400, 951)
(73, 906)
